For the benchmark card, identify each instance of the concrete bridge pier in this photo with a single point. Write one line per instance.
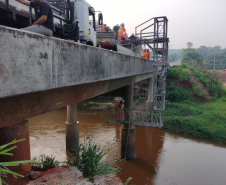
(150, 100)
(72, 127)
(128, 136)
(22, 152)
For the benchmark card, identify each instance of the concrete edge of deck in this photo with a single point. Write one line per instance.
(32, 62)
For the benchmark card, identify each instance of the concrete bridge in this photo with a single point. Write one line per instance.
(39, 74)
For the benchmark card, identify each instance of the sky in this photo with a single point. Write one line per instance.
(202, 22)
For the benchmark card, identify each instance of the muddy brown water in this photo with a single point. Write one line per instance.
(162, 158)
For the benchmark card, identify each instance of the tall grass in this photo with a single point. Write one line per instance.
(89, 159)
(202, 120)
(186, 114)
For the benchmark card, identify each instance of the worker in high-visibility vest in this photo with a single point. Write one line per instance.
(148, 54)
(103, 29)
(119, 109)
(122, 33)
(145, 55)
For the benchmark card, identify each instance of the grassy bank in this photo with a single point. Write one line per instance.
(189, 110)
(202, 120)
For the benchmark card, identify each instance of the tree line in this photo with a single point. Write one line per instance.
(202, 57)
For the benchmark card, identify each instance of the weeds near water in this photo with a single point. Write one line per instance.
(197, 119)
(128, 180)
(89, 160)
(44, 161)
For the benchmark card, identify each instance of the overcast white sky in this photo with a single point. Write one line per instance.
(202, 22)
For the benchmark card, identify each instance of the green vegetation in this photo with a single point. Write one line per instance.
(186, 74)
(205, 120)
(4, 150)
(186, 112)
(140, 100)
(220, 61)
(44, 161)
(128, 180)
(205, 51)
(203, 57)
(89, 160)
(191, 55)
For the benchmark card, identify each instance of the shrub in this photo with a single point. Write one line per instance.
(45, 162)
(175, 93)
(89, 160)
(184, 72)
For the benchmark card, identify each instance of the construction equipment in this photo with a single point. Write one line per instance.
(74, 20)
(152, 33)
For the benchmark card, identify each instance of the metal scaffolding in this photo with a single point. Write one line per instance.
(152, 33)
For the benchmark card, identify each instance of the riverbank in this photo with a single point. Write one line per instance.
(195, 104)
(201, 120)
(63, 176)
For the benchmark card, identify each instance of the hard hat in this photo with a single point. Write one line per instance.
(121, 102)
(132, 33)
(122, 24)
(118, 99)
(148, 49)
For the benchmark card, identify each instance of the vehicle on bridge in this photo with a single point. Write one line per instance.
(74, 20)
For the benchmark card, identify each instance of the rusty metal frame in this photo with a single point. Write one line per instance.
(154, 34)
(139, 117)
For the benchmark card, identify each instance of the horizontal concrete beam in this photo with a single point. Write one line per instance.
(31, 62)
(18, 108)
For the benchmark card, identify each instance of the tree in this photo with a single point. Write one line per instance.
(193, 58)
(220, 61)
(189, 44)
(192, 55)
(204, 51)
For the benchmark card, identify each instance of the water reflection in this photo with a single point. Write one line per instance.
(162, 158)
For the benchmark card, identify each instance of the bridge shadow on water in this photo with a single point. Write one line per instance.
(144, 169)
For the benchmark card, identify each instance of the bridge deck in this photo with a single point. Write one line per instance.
(31, 62)
(39, 74)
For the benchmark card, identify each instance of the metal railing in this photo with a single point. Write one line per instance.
(154, 33)
(140, 117)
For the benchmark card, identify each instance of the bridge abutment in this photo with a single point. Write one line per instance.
(72, 127)
(128, 136)
(22, 152)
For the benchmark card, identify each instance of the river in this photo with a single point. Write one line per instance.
(163, 158)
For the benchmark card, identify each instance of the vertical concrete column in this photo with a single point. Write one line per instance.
(128, 136)
(72, 127)
(22, 152)
(150, 100)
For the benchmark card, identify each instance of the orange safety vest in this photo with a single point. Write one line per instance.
(103, 29)
(148, 55)
(121, 30)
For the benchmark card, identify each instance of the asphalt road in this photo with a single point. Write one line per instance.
(177, 62)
